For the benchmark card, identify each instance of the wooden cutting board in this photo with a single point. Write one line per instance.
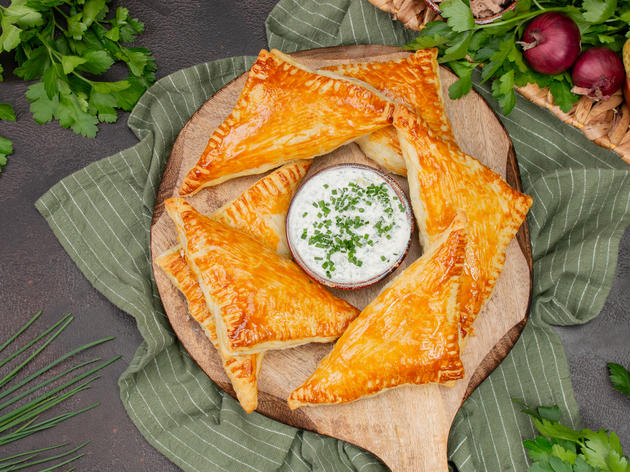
(406, 427)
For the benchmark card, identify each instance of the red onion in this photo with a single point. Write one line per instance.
(598, 73)
(551, 43)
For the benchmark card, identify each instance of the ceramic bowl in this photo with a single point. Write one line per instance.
(363, 283)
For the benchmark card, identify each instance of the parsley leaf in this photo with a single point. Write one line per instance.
(458, 49)
(69, 63)
(435, 33)
(462, 86)
(503, 91)
(598, 11)
(35, 65)
(458, 15)
(95, 61)
(562, 95)
(22, 15)
(620, 378)
(6, 112)
(42, 107)
(6, 148)
(10, 37)
(498, 58)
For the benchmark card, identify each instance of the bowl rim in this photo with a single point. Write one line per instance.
(480, 21)
(378, 277)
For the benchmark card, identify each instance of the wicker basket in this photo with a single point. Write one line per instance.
(605, 122)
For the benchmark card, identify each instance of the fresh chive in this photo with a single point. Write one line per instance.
(37, 406)
(25, 420)
(24, 348)
(44, 425)
(33, 452)
(56, 466)
(53, 364)
(51, 458)
(65, 385)
(11, 374)
(20, 331)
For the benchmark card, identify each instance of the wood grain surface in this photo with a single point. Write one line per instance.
(406, 427)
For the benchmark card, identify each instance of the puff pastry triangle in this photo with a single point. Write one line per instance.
(241, 370)
(409, 334)
(259, 299)
(286, 111)
(261, 210)
(413, 81)
(444, 180)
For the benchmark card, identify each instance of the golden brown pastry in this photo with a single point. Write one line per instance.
(285, 112)
(442, 181)
(409, 334)
(413, 81)
(241, 370)
(259, 299)
(261, 210)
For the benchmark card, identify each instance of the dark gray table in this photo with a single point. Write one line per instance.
(35, 272)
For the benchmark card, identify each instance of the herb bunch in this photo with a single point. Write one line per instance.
(25, 400)
(562, 449)
(68, 45)
(464, 45)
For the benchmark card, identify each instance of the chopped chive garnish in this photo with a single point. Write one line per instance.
(341, 232)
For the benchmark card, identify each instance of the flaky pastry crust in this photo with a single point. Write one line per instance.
(286, 112)
(261, 210)
(409, 334)
(413, 81)
(259, 299)
(442, 181)
(241, 370)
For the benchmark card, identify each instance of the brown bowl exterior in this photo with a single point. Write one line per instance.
(364, 283)
(480, 21)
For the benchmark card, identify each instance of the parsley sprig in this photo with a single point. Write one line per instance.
(6, 145)
(620, 378)
(562, 449)
(464, 45)
(68, 45)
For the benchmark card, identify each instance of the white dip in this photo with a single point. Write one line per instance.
(348, 225)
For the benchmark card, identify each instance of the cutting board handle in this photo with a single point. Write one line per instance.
(424, 448)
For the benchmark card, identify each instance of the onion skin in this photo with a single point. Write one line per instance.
(551, 43)
(598, 73)
(625, 54)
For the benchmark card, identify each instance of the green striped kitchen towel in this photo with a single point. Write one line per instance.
(102, 214)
